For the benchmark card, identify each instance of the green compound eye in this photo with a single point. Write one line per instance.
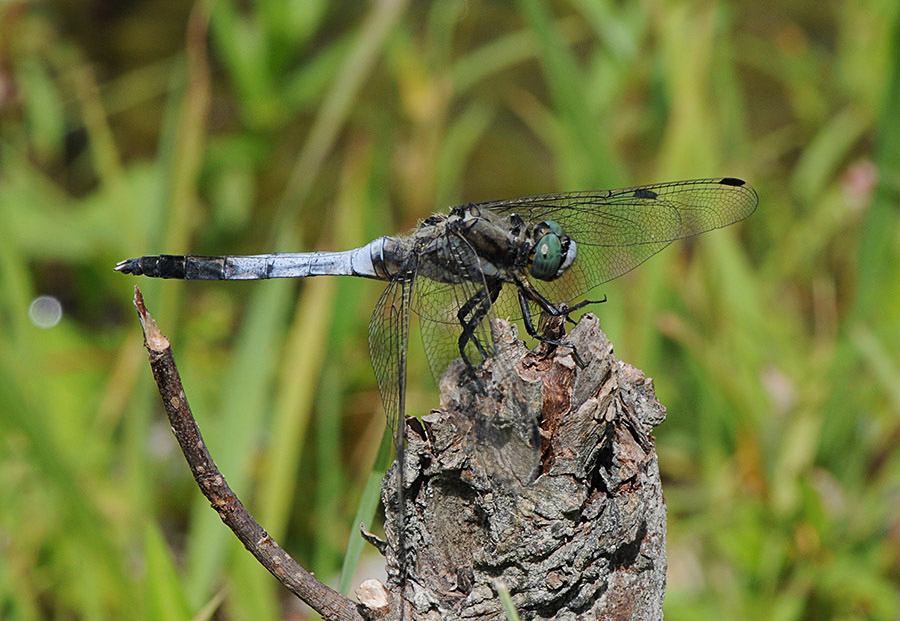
(554, 227)
(547, 255)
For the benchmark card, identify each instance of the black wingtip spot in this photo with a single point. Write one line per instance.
(645, 193)
(733, 181)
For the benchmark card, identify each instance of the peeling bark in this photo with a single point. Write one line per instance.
(543, 476)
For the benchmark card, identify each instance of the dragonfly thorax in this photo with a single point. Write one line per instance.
(553, 251)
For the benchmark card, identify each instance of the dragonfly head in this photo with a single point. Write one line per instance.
(553, 253)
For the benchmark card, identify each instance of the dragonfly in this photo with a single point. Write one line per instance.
(524, 258)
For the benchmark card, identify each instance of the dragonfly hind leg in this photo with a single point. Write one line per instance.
(470, 316)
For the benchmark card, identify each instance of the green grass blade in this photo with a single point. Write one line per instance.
(365, 512)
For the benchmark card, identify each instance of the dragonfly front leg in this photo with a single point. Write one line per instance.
(565, 310)
(529, 326)
(528, 290)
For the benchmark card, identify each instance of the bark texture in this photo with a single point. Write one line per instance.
(540, 478)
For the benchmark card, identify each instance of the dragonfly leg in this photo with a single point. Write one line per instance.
(565, 310)
(527, 291)
(529, 326)
(548, 306)
(470, 315)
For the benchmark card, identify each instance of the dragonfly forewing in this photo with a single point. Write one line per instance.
(617, 230)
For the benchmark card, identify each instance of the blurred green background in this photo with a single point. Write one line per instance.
(133, 128)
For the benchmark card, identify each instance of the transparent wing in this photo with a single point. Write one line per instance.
(451, 310)
(388, 340)
(617, 230)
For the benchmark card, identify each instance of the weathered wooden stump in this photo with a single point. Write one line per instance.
(541, 477)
